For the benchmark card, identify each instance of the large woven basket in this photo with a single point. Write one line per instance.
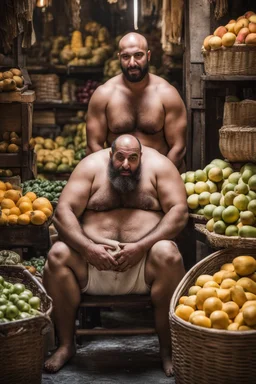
(222, 241)
(240, 113)
(210, 356)
(236, 60)
(238, 143)
(21, 341)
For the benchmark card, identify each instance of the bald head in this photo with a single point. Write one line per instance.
(127, 142)
(133, 39)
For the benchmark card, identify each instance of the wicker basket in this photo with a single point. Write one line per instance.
(198, 218)
(236, 60)
(238, 143)
(240, 113)
(221, 241)
(210, 356)
(21, 341)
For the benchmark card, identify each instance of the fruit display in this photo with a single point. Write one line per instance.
(225, 300)
(18, 209)
(225, 197)
(45, 188)
(11, 80)
(84, 92)
(10, 142)
(35, 264)
(236, 32)
(9, 258)
(17, 302)
(64, 153)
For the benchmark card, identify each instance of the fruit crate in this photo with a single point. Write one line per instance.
(22, 341)
(207, 355)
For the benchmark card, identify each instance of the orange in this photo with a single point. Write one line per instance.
(31, 195)
(38, 217)
(7, 203)
(2, 186)
(41, 202)
(47, 212)
(1, 195)
(12, 219)
(23, 219)
(8, 186)
(14, 211)
(12, 194)
(25, 206)
(6, 211)
(3, 218)
(22, 199)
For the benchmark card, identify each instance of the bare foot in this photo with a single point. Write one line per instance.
(165, 354)
(59, 358)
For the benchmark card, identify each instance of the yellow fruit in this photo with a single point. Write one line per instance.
(229, 198)
(23, 199)
(204, 198)
(231, 230)
(200, 175)
(25, 206)
(2, 186)
(252, 183)
(203, 294)
(211, 284)
(47, 212)
(227, 283)
(249, 315)
(247, 231)
(217, 213)
(12, 194)
(210, 225)
(241, 188)
(6, 211)
(15, 211)
(38, 217)
(230, 214)
(201, 321)
(252, 206)
(212, 186)
(193, 290)
(191, 301)
(201, 186)
(219, 227)
(228, 267)
(233, 327)
(182, 299)
(218, 276)
(212, 304)
(184, 311)
(227, 172)
(196, 313)
(12, 219)
(190, 177)
(244, 328)
(223, 295)
(231, 308)
(192, 201)
(234, 177)
(250, 296)
(228, 39)
(252, 276)
(23, 219)
(3, 218)
(31, 195)
(215, 174)
(247, 284)
(190, 188)
(244, 265)
(219, 319)
(248, 303)
(215, 198)
(7, 203)
(202, 279)
(41, 202)
(238, 295)
(215, 42)
(2, 193)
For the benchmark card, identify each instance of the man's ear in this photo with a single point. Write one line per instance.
(110, 154)
(149, 55)
(118, 55)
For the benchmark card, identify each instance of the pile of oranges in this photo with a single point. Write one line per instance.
(22, 210)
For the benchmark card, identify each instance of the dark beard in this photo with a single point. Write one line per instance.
(123, 184)
(135, 78)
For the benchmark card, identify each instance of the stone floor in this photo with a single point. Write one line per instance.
(115, 359)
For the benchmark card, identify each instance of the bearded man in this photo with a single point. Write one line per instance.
(139, 103)
(129, 199)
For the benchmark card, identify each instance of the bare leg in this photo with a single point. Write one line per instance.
(63, 268)
(164, 270)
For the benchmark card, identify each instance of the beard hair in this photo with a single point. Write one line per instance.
(123, 184)
(133, 78)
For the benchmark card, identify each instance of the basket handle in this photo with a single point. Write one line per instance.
(20, 331)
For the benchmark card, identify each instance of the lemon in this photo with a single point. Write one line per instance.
(196, 313)
(220, 163)
(215, 174)
(200, 175)
(192, 201)
(227, 172)
(213, 187)
(209, 225)
(183, 177)
(190, 177)
(234, 177)
(247, 174)
(227, 187)
(252, 206)
(230, 214)
(208, 167)
(193, 290)
(250, 166)
(190, 188)
(222, 201)
(204, 198)
(247, 218)
(252, 183)
(229, 198)
(217, 213)
(219, 227)
(201, 186)
(201, 321)
(241, 202)
(215, 198)
(241, 188)
(208, 210)
(231, 230)
(184, 311)
(202, 279)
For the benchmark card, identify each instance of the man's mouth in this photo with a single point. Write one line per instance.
(125, 173)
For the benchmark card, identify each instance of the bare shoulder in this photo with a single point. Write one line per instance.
(164, 88)
(107, 88)
(157, 162)
(92, 164)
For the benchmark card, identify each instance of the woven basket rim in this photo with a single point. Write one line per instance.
(234, 48)
(233, 128)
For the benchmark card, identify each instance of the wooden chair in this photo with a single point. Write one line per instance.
(113, 302)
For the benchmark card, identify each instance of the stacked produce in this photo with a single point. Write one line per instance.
(45, 188)
(18, 209)
(84, 92)
(224, 300)
(64, 153)
(226, 198)
(35, 264)
(10, 142)
(239, 31)
(11, 80)
(17, 302)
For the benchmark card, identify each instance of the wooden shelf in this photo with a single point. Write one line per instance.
(15, 96)
(227, 78)
(63, 69)
(55, 105)
(25, 236)
(10, 160)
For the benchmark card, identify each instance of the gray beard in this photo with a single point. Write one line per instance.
(123, 184)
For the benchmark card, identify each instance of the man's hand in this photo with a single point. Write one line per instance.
(98, 256)
(130, 255)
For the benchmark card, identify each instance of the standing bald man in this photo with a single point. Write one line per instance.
(139, 103)
(116, 219)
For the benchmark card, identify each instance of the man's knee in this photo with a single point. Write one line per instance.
(58, 254)
(165, 254)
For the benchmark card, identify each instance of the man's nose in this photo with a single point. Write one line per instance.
(126, 164)
(132, 61)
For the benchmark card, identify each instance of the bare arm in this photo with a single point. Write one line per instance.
(175, 125)
(96, 121)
